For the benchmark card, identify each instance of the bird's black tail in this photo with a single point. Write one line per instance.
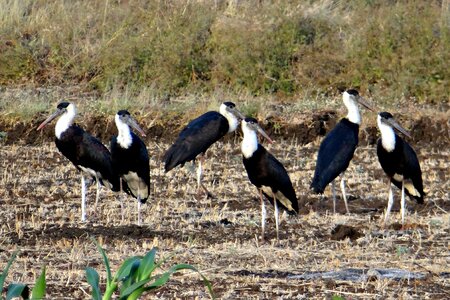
(167, 158)
(419, 199)
(172, 158)
(112, 182)
(317, 186)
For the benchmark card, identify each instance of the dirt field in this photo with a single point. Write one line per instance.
(40, 201)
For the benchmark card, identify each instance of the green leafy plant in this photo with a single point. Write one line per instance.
(20, 289)
(135, 276)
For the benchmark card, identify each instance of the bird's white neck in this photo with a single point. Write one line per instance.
(65, 121)
(249, 142)
(124, 137)
(233, 122)
(353, 110)
(387, 136)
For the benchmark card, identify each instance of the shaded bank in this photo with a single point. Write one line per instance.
(302, 128)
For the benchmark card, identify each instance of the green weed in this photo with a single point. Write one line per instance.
(20, 289)
(135, 276)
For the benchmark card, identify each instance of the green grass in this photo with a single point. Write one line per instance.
(389, 50)
(135, 276)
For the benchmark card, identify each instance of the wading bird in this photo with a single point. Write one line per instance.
(337, 149)
(266, 173)
(87, 153)
(399, 162)
(130, 160)
(199, 135)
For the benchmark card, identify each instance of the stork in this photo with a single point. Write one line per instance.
(337, 149)
(87, 153)
(266, 173)
(199, 135)
(399, 162)
(130, 159)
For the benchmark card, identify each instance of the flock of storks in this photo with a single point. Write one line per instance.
(126, 166)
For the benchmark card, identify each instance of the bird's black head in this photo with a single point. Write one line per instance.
(229, 104)
(63, 105)
(385, 115)
(123, 113)
(251, 120)
(353, 92)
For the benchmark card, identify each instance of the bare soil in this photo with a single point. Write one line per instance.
(40, 201)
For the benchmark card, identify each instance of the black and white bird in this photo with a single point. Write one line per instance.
(130, 159)
(399, 162)
(87, 153)
(199, 135)
(266, 173)
(337, 149)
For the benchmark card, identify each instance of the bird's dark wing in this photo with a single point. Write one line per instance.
(411, 171)
(84, 150)
(402, 161)
(281, 181)
(412, 168)
(196, 138)
(264, 170)
(335, 154)
(134, 159)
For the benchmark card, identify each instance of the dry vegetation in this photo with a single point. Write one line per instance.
(40, 194)
(163, 49)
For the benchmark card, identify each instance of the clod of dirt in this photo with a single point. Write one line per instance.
(341, 232)
(396, 226)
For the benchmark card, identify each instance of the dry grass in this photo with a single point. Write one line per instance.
(391, 49)
(40, 192)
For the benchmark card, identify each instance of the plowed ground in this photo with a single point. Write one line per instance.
(40, 216)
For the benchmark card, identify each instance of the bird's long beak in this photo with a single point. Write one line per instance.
(397, 126)
(132, 122)
(237, 113)
(51, 117)
(264, 134)
(365, 103)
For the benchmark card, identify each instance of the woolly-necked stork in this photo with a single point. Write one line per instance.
(87, 153)
(130, 159)
(337, 149)
(199, 135)
(266, 173)
(399, 162)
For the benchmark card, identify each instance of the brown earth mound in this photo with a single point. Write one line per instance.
(304, 128)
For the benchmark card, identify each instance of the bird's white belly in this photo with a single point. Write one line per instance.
(137, 186)
(398, 177)
(91, 172)
(279, 196)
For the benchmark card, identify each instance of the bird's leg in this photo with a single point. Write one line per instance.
(97, 196)
(343, 192)
(263, 215)
(139, 210)
(275, 205)
(139, 207)
(199, 171)
(83, 198)
(121, 200)
(333, 190)
(390, 203)
(403, 203)
(200, 187)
